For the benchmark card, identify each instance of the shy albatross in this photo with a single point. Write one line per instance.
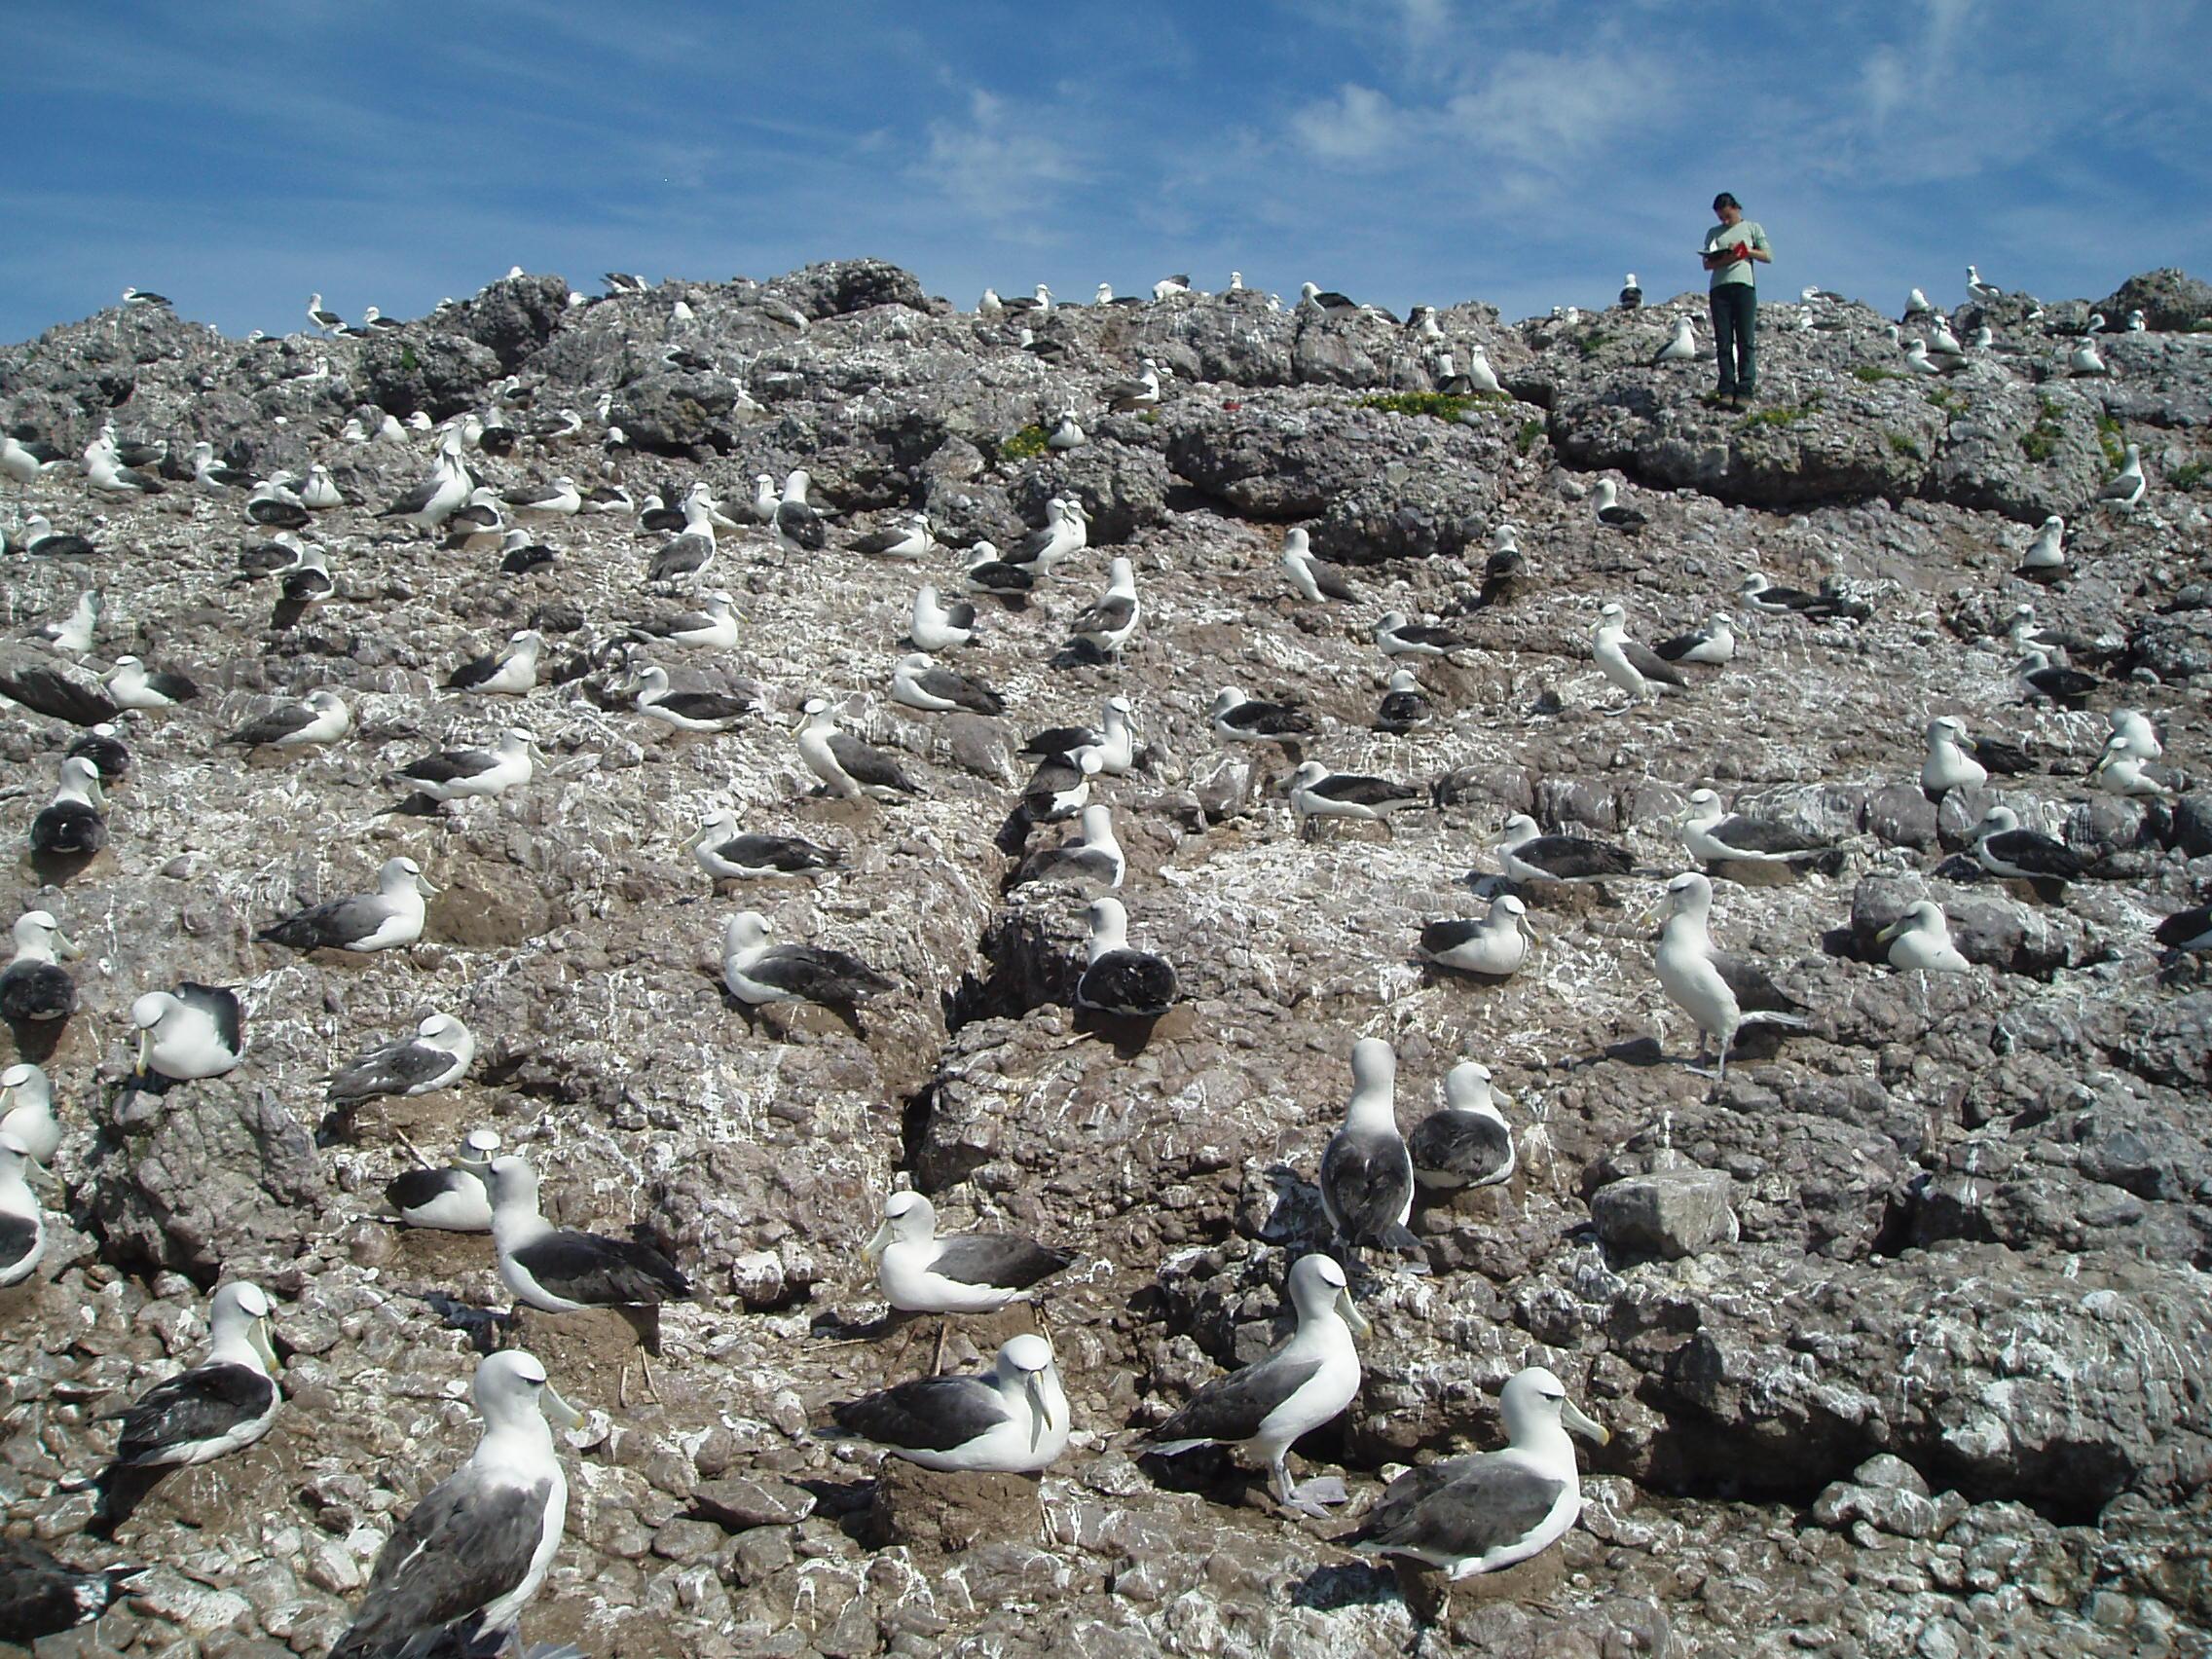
(321, 717)
(1367, 1174)
(390, 918)
(35, 989)
(23, 1223)
(194, 1031)
(686, 710)
(1920, 942)
(509, 672)
(41, 1597)
(712, 627)
(1305, 1383)
(1114, 738)
(1106, 624)
(2003, 848)
(798, 525)
(1404, 706)
(2126, 485)
(2185, 930)
(1057, 790)
(968, 1273)
(105, 750)
(1680, 347)
(1492, 949)
(758, 973)
(1713, 644)
(1759, 594)
(560, 1269)
(2068, 687)
(1063, 535)
(131, 685)
(27, 1111)
(1467, 1141)
(1310, 576)
(2045, 560)
(1525, 854)
(456, 774)
(74, 633)
(222, 1405)
(727, 854)
(1093, 858)
(433, 1057)
(1117, 980)
(1957, 761)
(1722, 994)
(1715, 834)
(846, 765)
(456, 1574)
(455, 1199)
(919, 684)
(1012, 1419)
(1476, 1514)
(938, 625)
(1606, 504)
(1627, 665)
(1248, 720)
(1316, 793)
(1396, 636)
(2132, 728)
(910, 540)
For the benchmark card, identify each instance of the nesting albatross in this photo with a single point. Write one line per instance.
(968, 1273)
(387, 919)
(1013, 1419)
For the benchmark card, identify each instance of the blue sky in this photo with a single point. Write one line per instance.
(237, 156)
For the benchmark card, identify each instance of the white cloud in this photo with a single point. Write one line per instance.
(995, 165)
(1358, 125)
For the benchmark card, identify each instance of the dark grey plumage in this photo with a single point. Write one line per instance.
(40, 1597)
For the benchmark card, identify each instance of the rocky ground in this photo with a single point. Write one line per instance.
(1929, 1371)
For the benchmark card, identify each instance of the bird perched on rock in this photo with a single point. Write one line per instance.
(1467, 1142)
(105, 750)
(758, 973)
(1058, 789)
(919, 684)
(1606, 504)
(224, 1404)
(2085, 358)
(1712, 646)
(26, 1112)
(798, 527)
(1269, 1405)
(1492, 949)
(1367, 1176)
(1313, 579)
(1920, 942)
(910, 540)
(685, 557)
(559, 1269)
(1716, 835)
(1956, 760)
(1759, 594)
(2132, 728)
(1722, 994)
(1116, 980)
(35, 989)
(510, 672)
(1630, 295)
(2121, 771)
(725, 855)
(939, 626)
(1114, 738)
(40, 1597)
(1094, 858)
(1985, 293)
(1405, 705)
(1316, 793)
(1525, 854)
(712, 627)
(1063, 535)
(1481, 1513)
(1128, 396)
(456, 774)
(1395, 636)
(2068, 687)
(390, 918)
(1066, 433)
(456, 1574)
(1106, 625)
(435, 1055)
(846, 765)
(133, 686)
(2045, 561)
(1246, 719)
(70, 826)
(1014, 1420)
(919, 1272)
(686, 711)
(1681, 346)
(1628, 666)
(22, 1223)
(2126, 485)
(452, 1199)
(2003, 848)
(73, 634)
(194, 1031)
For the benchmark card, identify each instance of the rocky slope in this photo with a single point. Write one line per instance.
(1920, 1364)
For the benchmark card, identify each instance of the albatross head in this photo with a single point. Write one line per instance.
(1926, 916)
(514, 1185)
(748, 930)
(513, 1385)
(907, 1218)
(1690, 895)
(1029, 1357)
(403, 875)
(14, 1158)
(1319, 1289)
(1534, 1402)
(38, 934)
(1467, 1088)
(240, 1314)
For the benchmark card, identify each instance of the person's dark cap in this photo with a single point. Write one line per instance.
(1725, 199)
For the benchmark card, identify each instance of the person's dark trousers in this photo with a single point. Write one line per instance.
(1735, 329)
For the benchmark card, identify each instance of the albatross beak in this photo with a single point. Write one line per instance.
(425, 886)
(145, 1050)
(1352, 1316)
(1571, 1417)
(1040, 1413)
(65, 947)
(872, 1251)
(561, 1414)
(1523, 923)
(258, 1336)
(1890, 932)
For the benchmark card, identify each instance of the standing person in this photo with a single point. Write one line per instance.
(1731, 249)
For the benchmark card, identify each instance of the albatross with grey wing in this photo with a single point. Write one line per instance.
(70, 826)
(110, 759)
(1759, 594)
(919, 684)
(712, 628)
(35, 989)
(2045, 561)
(1013, 1419)
(1313, 579)
(131, 685)
(456, 1574)
(1057, 789)
(968, 1272)
(1305, 1383)
(1093, 858)
(846, 765)
(1717, 836)
(2003, 848)
(560, 1269)
(1920, 942)
(26, 1112)
(1246, 719)
(910, 542)
(1492, 949)
(23, 1223)
(222, 1405)
(1956, 760)
(1722, 994)
(1404, 704)
(1477, 1514)
(2125, 487)
(41, 540)
(1114, 737)
(798, 525)
(1606, 502)
(74, 633)
(1467, 1142)
(725, 855)
(323, 718)
(1063, 535)
(40, 1597)
(390, 918)
(1316, 793)
(191, 1032)
(2068, 687)
(1396, 636)
(1629, 666)
(1713, 644)
(686, 555)
(509, 672)
(1000, 578)
(1680, 347)
(1132, 984)
(458, 773)
(1367, 1176)
(1106, 625)
(758, 973)
(1528, 855)
(434, 1057)
(686, 711)
(451, 1199)
(939, 626)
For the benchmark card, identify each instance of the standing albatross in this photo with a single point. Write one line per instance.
(1266, 1407)
(559, 1269)
(456, 1574)
(1722, 994)
(1367, 1176)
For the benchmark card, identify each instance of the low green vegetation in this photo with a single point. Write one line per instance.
(408, 361)
(2109, 440)
(1781, 414)
(1024, 445)
(2041, 441)
(2189, 474)
(1591, 343)
(1874, 375)
(1905, 444)
(1437, 405)
(1945, 398)
(1526, 438)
